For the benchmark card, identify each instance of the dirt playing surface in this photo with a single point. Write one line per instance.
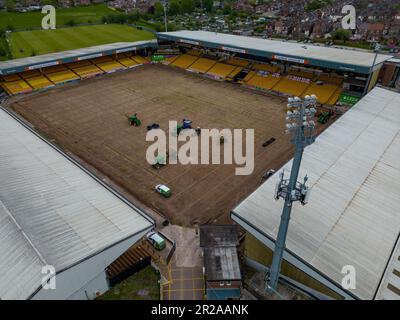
(89, 119)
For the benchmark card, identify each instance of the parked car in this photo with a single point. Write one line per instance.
(164, 190)
(156, 240)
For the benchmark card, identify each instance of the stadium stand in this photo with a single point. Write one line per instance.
(39, 82)
(291, 85)
(110, 66)
(302, 74)
(16, 87)
(184, 61)
(170, 59)
(235, 72)
(139, 59)
(194, 52)
(56, 68)
(249, 76)
(323, 91)
(238, 62)
(11, 77)
(331, 79)
(87, 71)
(127, 62)
(221, 70)
(335, 97)
(30, 74)
(264, 81)
(78, 64)
(202, 65)
(266, 67)
(62, 76)
(101, 59)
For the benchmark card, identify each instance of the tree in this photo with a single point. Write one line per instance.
(158, 10)
(187, 6)
(227, 9)
(173, 8)
(341, 34)
(208, 5)
(10, 5)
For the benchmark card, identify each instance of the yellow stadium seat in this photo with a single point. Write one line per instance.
(333, 79)
(30, 74)
(335, 97)
(221, 70)
(110, 66)
(16, 87)
(184, 61)
(238, 62)
(56, 68)
(303, 74)
(139, 59)
(101, 59)
(323, 92)
(266, 67)
(194, 52)
(264, 82)
(290, 87)
(202, 65)
(249, 76)
(39, 82)
(62, 76)
(87, 71)
(170, 59)
(235, 72)
(78, 64)
(11, 77)
(127, 62)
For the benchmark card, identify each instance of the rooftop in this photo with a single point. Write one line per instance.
(52, 212)
(221, 264)
(337, 58)
(352, 217)
(218, 235)
(18, 65)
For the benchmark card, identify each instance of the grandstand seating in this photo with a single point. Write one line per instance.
(170, 59)
(202, 65)
(322, 91)
(78, 64)
(16, 87)
(11, 77)
(62, 76)
(329, 79)
(184, 61)
(39, 82)
(110, 66)
(87, 71)
(30, 74)
(139, 59)
(221, 70)
(127, 62)
(288, 85)
(101, 59)
(264, 81)
(335, 96)
(266, 67)
(56, 68)
(302, 74)
(238, 62)
(249, 76)
(235, 72)
(194, 52)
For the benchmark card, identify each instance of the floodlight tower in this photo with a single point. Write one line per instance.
(299, 123)
(165, 4)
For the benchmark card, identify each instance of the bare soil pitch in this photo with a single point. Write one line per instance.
(89, 119)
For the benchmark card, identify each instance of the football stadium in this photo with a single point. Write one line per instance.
(76, 107)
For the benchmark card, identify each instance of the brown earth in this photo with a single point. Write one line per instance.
(89, 119)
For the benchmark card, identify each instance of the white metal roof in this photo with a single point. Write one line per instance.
(353, 216)
(51, 211)
(339, 55)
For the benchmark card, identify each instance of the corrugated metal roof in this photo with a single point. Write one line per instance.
(353, 214)
(51, 211)
(221, 264)
(301, 50)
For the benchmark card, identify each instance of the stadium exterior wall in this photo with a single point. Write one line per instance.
(83, 280)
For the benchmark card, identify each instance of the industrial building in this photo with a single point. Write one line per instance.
(56, 216)
(222, 276)
(352, 218)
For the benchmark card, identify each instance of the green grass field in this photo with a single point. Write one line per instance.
(36, 42)
(89, 14)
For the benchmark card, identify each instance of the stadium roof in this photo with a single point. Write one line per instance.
(52, 212)
(321, 56)
(353, 214)
(46, 60)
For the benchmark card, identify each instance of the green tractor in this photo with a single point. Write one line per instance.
(134, 120)
(324, 117)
